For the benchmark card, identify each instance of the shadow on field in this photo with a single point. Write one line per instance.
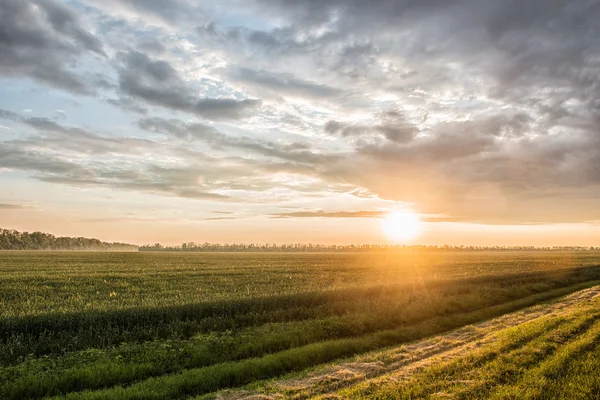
(392, 304)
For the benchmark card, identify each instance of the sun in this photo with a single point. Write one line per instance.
(401, 226)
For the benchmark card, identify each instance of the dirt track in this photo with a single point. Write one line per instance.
(405, 359)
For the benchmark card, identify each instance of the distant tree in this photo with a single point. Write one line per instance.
(310, 247)
(14, 240)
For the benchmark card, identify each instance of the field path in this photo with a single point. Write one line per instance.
(405, 359)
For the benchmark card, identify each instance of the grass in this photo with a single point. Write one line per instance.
(163, 325)
(549, 358)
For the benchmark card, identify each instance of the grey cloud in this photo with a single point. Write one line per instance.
(127, 103)
(395, 127)
(152, 45)
(78, 139)
(544, 44)
(284, 83)
(499, 16)
(399, 133)
(102, 82)
(49, 167)
(279, 40)
(295, 152)
(158, 83)
(181, 130)
(40, 38)
(452, 140)
(15, 157)
(78, 157)
(171, 12)
(511, 89)
(12, 116)
(344, 129)
(392, 125)
(488, 170)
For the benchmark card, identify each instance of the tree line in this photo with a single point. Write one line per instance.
(309, 247)
(15, 240)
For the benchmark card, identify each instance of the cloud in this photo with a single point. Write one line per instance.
(157, 82)
(81, 140)
(284, 84)
(127, 103)
(357, 214)
(330, 214)
(79, 157)
(294, 152)
(49, 167)
(152, 45)
(488, 170)
(9, 115)
(392, 125)
(4, 206)
(40, 38)
(13, 157)
(481, 111)
(171, 13)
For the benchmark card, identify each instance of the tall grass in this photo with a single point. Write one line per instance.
(535, 360)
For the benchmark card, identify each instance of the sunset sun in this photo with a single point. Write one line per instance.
(401, 226)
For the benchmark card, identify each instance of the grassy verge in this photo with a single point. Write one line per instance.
(533, 360)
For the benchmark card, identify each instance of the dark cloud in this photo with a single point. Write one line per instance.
(158, 83)
(5, 114)
(40, 39)
(392, 125)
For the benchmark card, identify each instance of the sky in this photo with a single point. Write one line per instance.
(288, 121)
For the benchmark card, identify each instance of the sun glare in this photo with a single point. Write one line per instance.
(401, 226)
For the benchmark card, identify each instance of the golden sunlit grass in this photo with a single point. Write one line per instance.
(402, 226)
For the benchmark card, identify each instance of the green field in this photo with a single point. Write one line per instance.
(180, 325)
